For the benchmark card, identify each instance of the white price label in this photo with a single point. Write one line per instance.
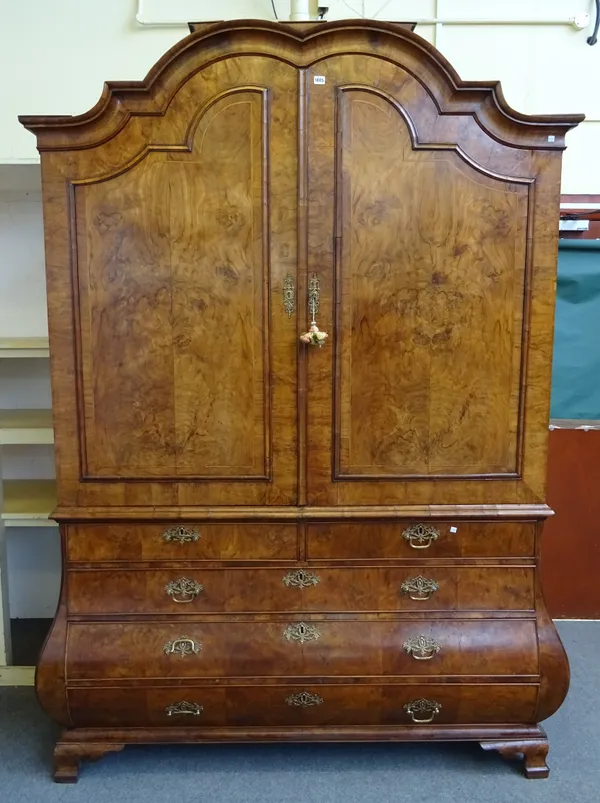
(453, 529)
(319, 79)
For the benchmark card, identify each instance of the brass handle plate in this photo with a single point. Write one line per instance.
(300, 579)
(419, 588)
(181, 535)
(183, 590)
(314, 337)
(302, 632)
(421, 647)
(304, 699)
(420, 536)
(289, 295)
(416, 708)
(184, 709)
(182, 646)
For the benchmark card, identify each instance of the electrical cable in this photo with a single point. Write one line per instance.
(275, 10)
(591, 40)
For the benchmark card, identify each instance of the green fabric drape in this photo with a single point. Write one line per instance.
(576, 363)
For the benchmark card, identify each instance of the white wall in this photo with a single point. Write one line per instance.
(59, 53)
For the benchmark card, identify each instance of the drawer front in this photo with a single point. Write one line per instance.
(304, 705)
(420, 588)
(198, 591)
(288, 648)
(181, 541)
(414, 539)
(180, 591)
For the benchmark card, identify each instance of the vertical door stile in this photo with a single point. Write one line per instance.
(302, 280)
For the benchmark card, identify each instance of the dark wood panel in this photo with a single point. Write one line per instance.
(426, 539)
(471, 433)
(214, 650)
(570, 554)
(166, 392)
(132, 541)
(430, 327)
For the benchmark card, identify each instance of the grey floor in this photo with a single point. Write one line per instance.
(435, 773)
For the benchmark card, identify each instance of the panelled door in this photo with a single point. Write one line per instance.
(420, 254)
(185, 242)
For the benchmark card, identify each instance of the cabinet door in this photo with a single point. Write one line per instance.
(185, 240)
(418, 229)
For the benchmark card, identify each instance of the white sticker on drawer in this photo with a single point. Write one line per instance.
(319, 79)
(453, 529)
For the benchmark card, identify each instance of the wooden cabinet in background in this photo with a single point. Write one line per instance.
(263, 538)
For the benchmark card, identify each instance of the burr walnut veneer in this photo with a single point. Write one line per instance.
(265, 539)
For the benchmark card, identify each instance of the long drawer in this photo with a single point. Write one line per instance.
(340, 704)
(413, 539)
(289, 648)
(181, 541)
(244, 590)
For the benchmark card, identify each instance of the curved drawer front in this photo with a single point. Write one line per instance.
(345, 705)
(319, 589)
(181, 541)
(413, 539)
(315, 648)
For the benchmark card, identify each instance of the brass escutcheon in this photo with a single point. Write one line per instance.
(289, 295)
(300, 579)
(180, 534)
(302, 632)
(304, 699)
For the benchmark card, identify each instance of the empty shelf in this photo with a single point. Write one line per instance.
(26, 426)
(23, 347)
(28, 503)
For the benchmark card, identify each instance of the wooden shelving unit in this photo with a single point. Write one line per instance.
(23, 347)
(24, 503)
(26, 427)
(28, 503)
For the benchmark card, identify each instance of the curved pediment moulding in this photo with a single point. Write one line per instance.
(301, 46)
(425, 145)
(187, 147)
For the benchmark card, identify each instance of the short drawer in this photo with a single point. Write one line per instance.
(304, 705)
(319, 589)
(181, 541)
(323, 647)
(411, 539)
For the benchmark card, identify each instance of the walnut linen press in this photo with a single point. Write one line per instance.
(269, 539)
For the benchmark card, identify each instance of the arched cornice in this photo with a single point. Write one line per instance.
(301, 46)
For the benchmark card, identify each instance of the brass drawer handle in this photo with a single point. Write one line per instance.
(180, 534)
(183, 590)
(420, 536)
(184, 709)
(302, 632)
(419, 588)
(422, 706)
(300, 579)
(422, 648)
(182, 646)
(304, 699)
